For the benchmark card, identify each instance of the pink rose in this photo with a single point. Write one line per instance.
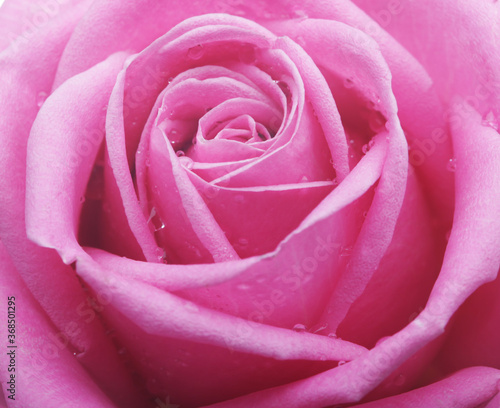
(250, 204)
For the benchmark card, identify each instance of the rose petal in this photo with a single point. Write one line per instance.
(468, 53)
(180, 205)
(41, 362)
(381, 219)
(473, 341)
(34, 17)
(465, 389)
(419, 109)
(55, 286)
(205, 325)
(54, 223)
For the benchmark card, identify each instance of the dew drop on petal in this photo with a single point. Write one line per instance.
(186, 162)
(376, 121)
(242, 242)
(346, 251)
(299, 328)
(239, 199)
(304, 179)
(451, 165)
(333, 335)
(161, 254)
(299, 13)
(41, 98)
(321, 328)
(348, 82)
(490, 120)
(180, 153)
(300, 40)
(196, 52)
(399, 380)
(342, 362)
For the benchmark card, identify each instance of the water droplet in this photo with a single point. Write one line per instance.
(299, 328)
(180, 153)
(348, 82)
(190, 306)
(451, 165)
(399, 380)
(335, 182)
(321, 328)
(365, 214)
(82, 199)
(351, 141)
(342, 362)
(365, 148)
(346, 251)
(300, 40)
(239, 199)
(333, 335)
(161, 254)
(186, 162)
(304, 179)
(377, 122)
(490, 120)
(170, 79)
(195, 53)
(40, 99)
(299, 13)
(242, 242)
(155, 220)
(110, 332)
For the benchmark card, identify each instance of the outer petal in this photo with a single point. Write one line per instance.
(465, 35)
(67, 133)
(46, 372)
(21, 20)
(27, 74)
(465, 389)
